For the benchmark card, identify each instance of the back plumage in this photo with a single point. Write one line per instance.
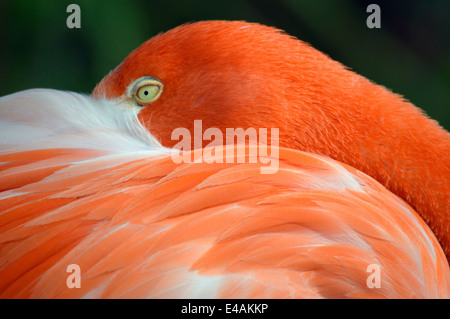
(141, 226)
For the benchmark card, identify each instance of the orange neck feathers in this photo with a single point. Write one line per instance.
(237, 74)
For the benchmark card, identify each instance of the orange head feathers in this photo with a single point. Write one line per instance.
(238, 74)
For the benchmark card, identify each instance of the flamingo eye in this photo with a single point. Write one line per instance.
(146, 90)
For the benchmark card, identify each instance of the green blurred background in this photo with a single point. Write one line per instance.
(410, 54)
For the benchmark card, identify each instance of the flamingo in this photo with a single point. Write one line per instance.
(358, 207)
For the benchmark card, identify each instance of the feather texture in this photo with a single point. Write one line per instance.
(141, 226)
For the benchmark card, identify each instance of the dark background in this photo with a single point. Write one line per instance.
(410, 54)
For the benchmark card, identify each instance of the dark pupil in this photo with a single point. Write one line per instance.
(146, 92)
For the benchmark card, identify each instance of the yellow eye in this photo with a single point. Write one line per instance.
(146, 90)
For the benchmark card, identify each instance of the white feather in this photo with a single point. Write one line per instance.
(45, 118)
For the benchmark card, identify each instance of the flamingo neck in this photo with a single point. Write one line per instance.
(391, 140)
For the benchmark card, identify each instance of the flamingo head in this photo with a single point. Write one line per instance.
(230, 75)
